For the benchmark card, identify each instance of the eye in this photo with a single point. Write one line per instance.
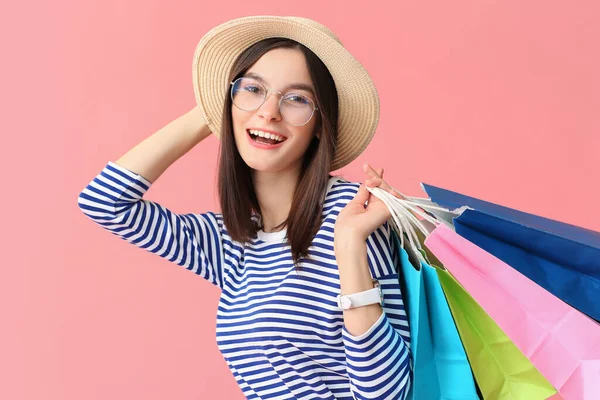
(252, 88)
(297, 99)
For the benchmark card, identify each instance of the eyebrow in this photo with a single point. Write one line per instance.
(300, 86)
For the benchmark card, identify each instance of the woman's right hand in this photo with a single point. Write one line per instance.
(151, 157)
(197, 119)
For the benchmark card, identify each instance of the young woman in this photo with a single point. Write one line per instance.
(310, 305)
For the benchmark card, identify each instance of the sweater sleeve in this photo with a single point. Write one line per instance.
(113, 200)
(378, 361)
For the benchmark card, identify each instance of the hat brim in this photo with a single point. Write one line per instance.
(357, 96)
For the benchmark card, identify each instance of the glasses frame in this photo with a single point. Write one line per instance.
(267, 91)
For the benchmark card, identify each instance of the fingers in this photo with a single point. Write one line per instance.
(373, 182)
(361, 196)
(371, 173)
(375, 179)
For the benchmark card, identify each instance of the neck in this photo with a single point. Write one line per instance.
(274, 192)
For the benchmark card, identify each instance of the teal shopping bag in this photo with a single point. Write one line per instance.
(440, 366)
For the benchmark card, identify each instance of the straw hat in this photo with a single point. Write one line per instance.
(357, 96)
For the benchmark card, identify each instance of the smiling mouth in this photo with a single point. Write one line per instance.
(265, 137)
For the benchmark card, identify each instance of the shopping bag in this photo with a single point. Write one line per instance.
(440, 366)
(562, 258)
(561, 342)
(501, 370)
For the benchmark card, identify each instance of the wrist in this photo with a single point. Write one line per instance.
(348, 245)
(355, 274)
(196, 125)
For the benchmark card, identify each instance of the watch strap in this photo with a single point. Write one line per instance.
(365, 298)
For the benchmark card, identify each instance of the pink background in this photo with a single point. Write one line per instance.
(495, 99)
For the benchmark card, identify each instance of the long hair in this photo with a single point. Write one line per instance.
(237, 196)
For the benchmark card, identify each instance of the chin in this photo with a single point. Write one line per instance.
(264, 165)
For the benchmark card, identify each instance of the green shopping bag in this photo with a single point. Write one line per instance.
(500, 369)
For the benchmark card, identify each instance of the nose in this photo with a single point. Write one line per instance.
(269, 110)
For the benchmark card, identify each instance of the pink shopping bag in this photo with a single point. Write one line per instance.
(561, 342)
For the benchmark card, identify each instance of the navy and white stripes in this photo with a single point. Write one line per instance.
(280, 331)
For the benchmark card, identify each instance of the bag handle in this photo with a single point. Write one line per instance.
(403, 218)
(437, 211)
(404, 213)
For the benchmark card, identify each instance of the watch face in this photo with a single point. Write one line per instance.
(346, 303)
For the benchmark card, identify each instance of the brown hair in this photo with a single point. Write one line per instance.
(236, 190)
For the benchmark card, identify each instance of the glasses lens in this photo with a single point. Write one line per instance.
(297, 109)
(247, 94)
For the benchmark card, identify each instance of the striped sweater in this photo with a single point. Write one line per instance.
(280, 331)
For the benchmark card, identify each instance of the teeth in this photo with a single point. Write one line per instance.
(266, 135)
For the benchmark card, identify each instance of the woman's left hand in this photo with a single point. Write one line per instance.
(357, 221)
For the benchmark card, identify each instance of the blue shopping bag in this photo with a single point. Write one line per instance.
(563, 259)
(440, 366)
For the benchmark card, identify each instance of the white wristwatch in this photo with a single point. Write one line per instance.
(371, 296)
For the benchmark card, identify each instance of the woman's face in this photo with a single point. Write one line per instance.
(281, 70)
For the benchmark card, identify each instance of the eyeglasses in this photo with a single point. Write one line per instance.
(248, 94)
